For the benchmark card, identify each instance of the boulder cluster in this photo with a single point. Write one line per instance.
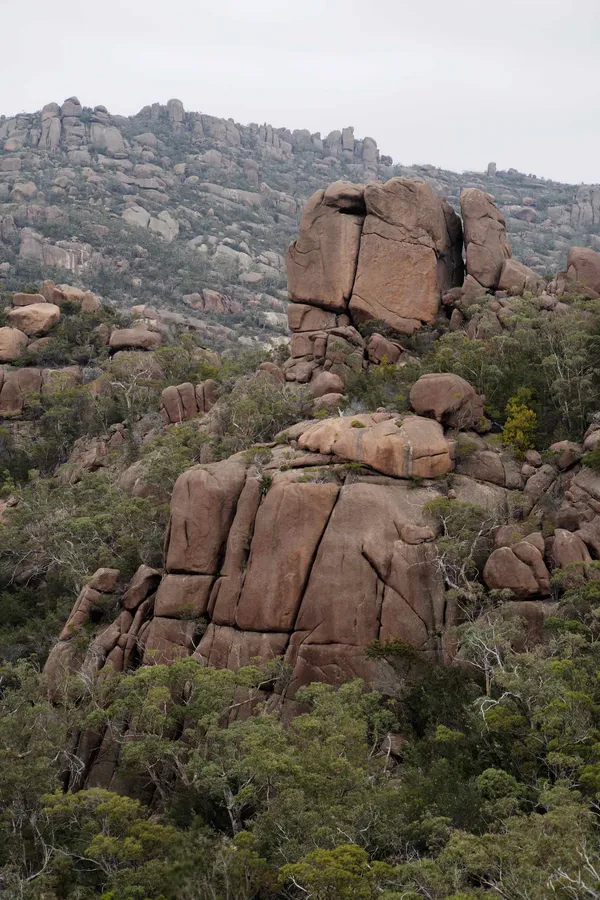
(32, 316)
(390, 254)
(314, 546)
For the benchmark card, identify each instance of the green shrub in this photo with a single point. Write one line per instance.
(592, 460)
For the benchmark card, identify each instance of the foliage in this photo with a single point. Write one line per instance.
(383, 385)
(74, 340)
(521, 423)
(71, 530)
(554, 357)
(592, 460)
(492, 794)
(170, 453)
(255, 411)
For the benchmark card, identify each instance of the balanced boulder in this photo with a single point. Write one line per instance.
(36, 319)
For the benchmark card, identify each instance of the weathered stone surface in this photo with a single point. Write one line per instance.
(167, 639)
(516, 278)
(321, 263)
(365, 583)
(449, 398)
(568, 549)
(36, 319)
(565, 454)
(228, 648)
(520, 569)
(583, 267)
(202, 509)
(399, 447)
(139, 338)
(326, 383)
(486, 244)
(183, 596)
(302, 317)
(27, 299)
(144, 582)
(12, 344)
(408, 252)
(380, 349)
(288, 528)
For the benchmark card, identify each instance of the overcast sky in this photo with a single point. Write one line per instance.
(455, 83)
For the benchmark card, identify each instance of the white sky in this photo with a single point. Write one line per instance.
(455, 83)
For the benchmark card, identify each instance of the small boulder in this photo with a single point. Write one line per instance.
(380, 349)
(568, 549)
(36, 319)
(449, 399)
(326, 383)
(12, 344)
(516, 278)
(139, 338)
(566, 454)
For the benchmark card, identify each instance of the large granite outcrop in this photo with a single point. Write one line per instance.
(410, 254)
(383, 252)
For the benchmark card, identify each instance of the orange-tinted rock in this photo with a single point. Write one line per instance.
(144, 582)
(583, 267)
(486, 244)
(568, 549)
(183, 596)
(321, 262)
(12, 343)
(289, 525)
(333, 663)
(449, 399)
(395, 446)
(504, 569)
(27, 299)
(565, 454)
(517, 278)
(326, 383)
(202, 510)
(408, 257)
(379, 350)
(362, 572)
(309, 318)
(15, 386)
(139, 338)
(168, 639)
(273, 371)
(228, 648)
(36, 319)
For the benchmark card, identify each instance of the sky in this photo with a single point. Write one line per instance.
(453, 83)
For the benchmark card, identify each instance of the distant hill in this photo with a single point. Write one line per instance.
(193, 213)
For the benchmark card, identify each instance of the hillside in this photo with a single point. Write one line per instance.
(190, 213)
(317, 620)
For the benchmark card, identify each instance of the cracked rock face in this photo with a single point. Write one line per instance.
(381, 251)
(409, 252)
(487, 247)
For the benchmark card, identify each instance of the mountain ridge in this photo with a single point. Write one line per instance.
(192, 213)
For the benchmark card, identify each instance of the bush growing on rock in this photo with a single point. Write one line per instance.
(255, 411)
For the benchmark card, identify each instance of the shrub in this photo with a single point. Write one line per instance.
(254, 412)
(521, 423)
(592, 460)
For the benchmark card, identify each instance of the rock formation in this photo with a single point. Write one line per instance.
(375, 252)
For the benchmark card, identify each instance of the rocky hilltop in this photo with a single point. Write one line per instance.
(354, 529)
(191, 214)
